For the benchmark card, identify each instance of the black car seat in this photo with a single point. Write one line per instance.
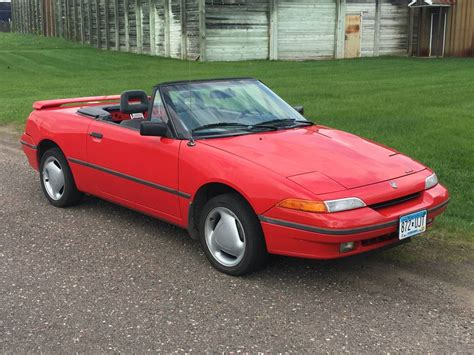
(133, 102)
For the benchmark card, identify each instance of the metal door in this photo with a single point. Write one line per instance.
(352, 38)
(437, 33)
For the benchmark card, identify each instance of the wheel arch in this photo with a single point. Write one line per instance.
(204, 194)
(43, 146)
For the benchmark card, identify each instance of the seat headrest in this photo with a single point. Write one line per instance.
(133, 101)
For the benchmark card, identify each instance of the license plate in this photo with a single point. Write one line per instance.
(412, 224)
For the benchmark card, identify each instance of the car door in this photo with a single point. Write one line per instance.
(135, 169)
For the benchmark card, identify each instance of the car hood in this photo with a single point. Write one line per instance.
(320, 158)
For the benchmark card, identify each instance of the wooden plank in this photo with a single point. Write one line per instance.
(127, 27)
(411, 24)
(378, 15)
(20, 16)
(24, 18)
(139, 26)
(42, 18)
(152, 27)
(29, 18)
(107, 24)
(340, 28)
(97, 23)
(166, 6)
(14, 16)
(182, 10)
(53, 17)
(117, 25)
(192, 29)
(34, 16)
(81, 10)
(13, 24)
(202, 30)
(60, 17)
(89, 19)
(74, 19)
(273, 33)
(67, 20)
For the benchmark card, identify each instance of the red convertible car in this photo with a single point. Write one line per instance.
(243, 171)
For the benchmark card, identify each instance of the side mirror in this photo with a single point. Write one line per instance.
(299, 109)
(157, 129)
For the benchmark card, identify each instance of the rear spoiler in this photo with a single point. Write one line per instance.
(41, 105)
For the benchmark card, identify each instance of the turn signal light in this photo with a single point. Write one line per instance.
(303, 205)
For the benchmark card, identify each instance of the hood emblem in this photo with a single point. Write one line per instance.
(393, 184)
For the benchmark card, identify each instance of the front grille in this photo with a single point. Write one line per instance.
(395, 201)
(380, 239)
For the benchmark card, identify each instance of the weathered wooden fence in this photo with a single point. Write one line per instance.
(159, 27)
(5, 26)
(221, 29)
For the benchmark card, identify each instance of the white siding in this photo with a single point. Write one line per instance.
(305, 29)
(192, 29)
(394, 28)
(237, 30)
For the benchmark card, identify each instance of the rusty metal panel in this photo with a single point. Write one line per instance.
(306, 29)
(237, 30)
(460, 29)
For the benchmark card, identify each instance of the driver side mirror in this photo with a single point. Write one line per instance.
(156, 129)
(299, 109)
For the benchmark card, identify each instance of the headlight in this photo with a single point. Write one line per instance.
(431, 181)
(344, 204)
(322, 206)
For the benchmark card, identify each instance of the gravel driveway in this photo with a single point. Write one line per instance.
(98, 277)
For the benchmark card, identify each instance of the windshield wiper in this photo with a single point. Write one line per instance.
(247, 127)
(219, 124)
(270, 125)
(283, 122)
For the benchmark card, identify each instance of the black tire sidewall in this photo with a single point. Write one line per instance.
(71, 195)
(255, 254)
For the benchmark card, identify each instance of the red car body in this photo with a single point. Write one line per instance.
(162, 176)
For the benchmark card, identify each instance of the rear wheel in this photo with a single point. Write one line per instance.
(56, 179)
(231, 235)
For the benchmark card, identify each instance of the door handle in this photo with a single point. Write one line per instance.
(96, 135)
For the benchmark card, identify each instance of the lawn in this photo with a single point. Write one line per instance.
(421, 107)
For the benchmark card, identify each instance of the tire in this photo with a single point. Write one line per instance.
(231, 235)
(54, 164)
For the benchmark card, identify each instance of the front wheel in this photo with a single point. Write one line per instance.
(231, 235)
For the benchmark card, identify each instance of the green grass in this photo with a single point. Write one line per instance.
(421, 107)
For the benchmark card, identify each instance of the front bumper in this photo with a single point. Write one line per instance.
(318, 236)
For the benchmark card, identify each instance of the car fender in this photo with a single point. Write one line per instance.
(202, 164)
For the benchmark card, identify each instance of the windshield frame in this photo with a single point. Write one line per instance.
(182, 132)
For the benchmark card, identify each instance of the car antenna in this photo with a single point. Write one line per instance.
(191, 142)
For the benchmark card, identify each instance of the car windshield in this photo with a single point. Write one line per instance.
(228, 107)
